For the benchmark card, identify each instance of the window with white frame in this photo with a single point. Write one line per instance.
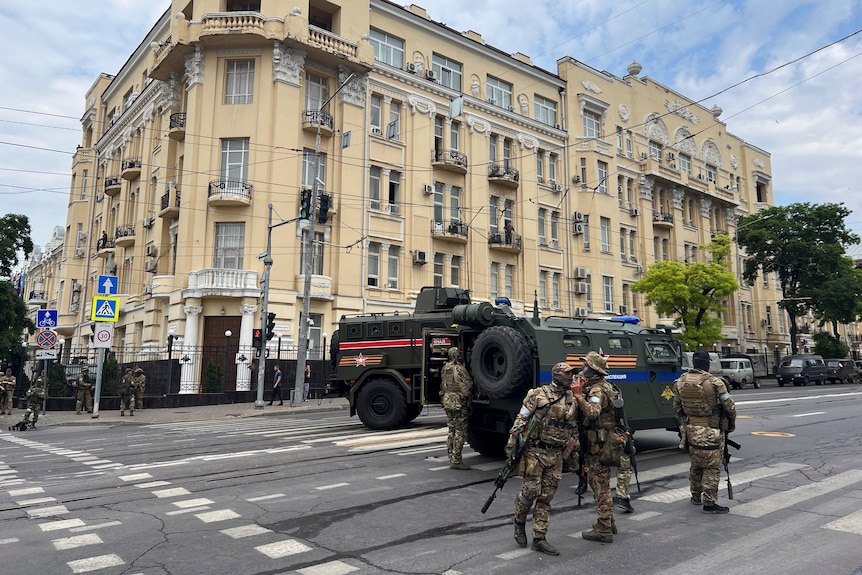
(229, 245)
(393, 128)
(394, 197)
(374, 264)
(455, 271)
(586, 232)
(387, 48)
(374, 188)
(316, 253)
(234, 160)
(492, 149)
(310, 160)
(376, 107)
(438, 269)
(498, 92)
(583, 173)
(510, 280)
(455, 204)
(545, 110)
(605, 227)
(394, 265)
(603, 178)
(555, 229)
(632, 244)
(84, 183)
(623, 242)
(541, 224)
(655, 150)
(592, 124)
(556, 281)
(540, 166)
(620, 141)
(494, 281)
(438, 204)
(494, 214)
(628, 137)
(552, 168)
(507, 153)
(448, 71)
(656, 248)
(316, 91)
(543, 288)
(685, 163)
(608, 293)
(665, 245)
(710, 173)
(239, 82)
(455, 136)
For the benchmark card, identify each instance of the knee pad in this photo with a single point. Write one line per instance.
(524, 499)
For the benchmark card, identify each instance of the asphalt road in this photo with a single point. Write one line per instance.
(317, 494)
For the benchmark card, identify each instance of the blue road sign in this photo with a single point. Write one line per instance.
(107, 285)
(46, 318)
(105, 308)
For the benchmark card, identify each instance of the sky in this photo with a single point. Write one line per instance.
(803, 105)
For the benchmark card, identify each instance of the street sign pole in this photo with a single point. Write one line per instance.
(100, 362)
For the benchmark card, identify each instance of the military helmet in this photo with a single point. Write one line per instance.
(562, 368)
(454, 353)
(138, 369)
(128, 369)
(85, 370)
(597, 363)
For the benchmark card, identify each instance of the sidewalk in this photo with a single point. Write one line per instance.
(179, 414)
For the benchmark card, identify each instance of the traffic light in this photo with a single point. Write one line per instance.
(305, 203)
(257, 338)
(323, 214)
(270, 326)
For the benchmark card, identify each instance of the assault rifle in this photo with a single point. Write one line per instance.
(582, 467)
(726, 458)
(512, 464)
(623, 422)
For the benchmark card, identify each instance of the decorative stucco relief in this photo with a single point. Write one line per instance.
(476, 124)
(624, 113)
(287, 64)
(195, 67)
(421, 105)
(681, 110)
(591, 86)
(677, 197)
(655, 129)
(354, 91)
(645, 187)
(734, 161)
(169, 92)
(758, 163)
(711, 153)
(730, 216)
(527, 141)
(684, 142)
(705, 207)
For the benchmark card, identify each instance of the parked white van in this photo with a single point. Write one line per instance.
(738, 372)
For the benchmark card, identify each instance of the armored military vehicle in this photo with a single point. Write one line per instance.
(389, 364)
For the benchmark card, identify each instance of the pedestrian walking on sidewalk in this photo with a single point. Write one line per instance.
(276, 387)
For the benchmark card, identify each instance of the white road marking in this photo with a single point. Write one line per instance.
(265, 497)
(245, 531)
(7, 541)
(438, 468)
(152, 483)
(509, 555)
(334, 568)
(96, 526)
(37, 501)
(28, 491)
(220, 515)
(798, 398)
(47, 511)
(193, 502)
(393, 476)
(189, 510)
(672, 495)
(95, 563)
(76, 541)
(283, 548)
(64, 524)
(849, 524)
(807, 414)
(174, 492)
(790, 497)
(643, 515)
(332, 486)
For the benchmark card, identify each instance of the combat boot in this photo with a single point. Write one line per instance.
(625, 504)
(715, 508)
(542, 546)
(613, 527)
(459, 465)
(131, 414)
(122, 413)
(520, 533)
(596, 535)
(696, 500)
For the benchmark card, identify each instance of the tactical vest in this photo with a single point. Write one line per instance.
(697, 394)
(558, 424)
(448, 384)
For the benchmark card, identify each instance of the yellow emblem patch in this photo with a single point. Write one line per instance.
(667, 394)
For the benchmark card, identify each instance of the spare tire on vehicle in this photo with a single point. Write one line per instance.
(501, 362)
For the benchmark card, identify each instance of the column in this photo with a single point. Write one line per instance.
(188, 350)
(243, 374)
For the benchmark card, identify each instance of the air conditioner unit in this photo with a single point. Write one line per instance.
(581, 273)
(82, 237)
(375, 131)
(578, 216)
(511, 108)
(671, 156)
(150, 266)
(578, 229)
(558, 126)
(635, 212)
(644, 155)
(148, 289)
(763, 322)
(624, 310)
(420, 257)
(576, 179)
(148, 222)
(79, 253)
(581, 312)
(438, 227)
(76, 287)
(411, 67)
(582, 287)
(428, 189)
(558, 187)
(431, 75)
(152, 251)
(640, 269)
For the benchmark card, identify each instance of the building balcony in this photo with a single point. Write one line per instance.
(177, 127)
(105, 247)
(230, 192)
(451, 160)
(37, 297)
(113, 185)
(505, 242)
(662, 220)
(454, 230)
(332, 43)
(501, 174)
(170, 205)
(221, 282)
(124, 236)
(131, 169)
(314, 119)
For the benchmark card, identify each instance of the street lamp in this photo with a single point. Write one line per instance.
(227, 335)
(324, 350)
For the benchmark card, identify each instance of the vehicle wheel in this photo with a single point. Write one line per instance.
(487, 443)
(334, 348)
(805, 382)
(780, 383)
(413, 411)
(756, 384)
(501, 362)
(742, 384)
(382, 404)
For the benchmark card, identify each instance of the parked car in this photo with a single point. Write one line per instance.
(858, 364)
(841, 371)
(714, 364)
(801, 370)
(737, 371)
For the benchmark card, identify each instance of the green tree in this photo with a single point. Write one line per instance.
(838, 297)
(214, 378)
(14, 238)
(110, 371)
(692, 292)
(57, 381)
(828, 345)
(803, 243)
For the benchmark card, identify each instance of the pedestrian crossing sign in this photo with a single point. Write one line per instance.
(105, 308)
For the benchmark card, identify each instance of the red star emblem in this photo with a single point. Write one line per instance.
(360, 360)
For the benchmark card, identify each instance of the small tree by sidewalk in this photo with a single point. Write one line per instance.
(214, 378)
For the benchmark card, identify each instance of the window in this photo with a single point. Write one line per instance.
(494, 214)
(540, 166)
(229, 243)
(394, 192)
(239, 83)
(685, 163)
(603, 178)
(555, 229)
(545, 110)
(393, 128)
(605, 226)
(623, 242)
(454, 135)
(498, 92)
(608, 293)
(632, 242)
(492, 149)
(552, 168)
(493, 281)
(592, 124)
(543, 288)
(387, 49)
(555, 290)
(438, 270)
(394, 260)
(84, 184)
(374, 188)
(583, 173)
(316, 91)
(510, 280)
(586, 232)
(376, 104)
(448, 71)
(710, 173)
(374, 264)
(619, 140)
(455, 204)
(316, 254)
(629, 143)
(310, 160)
(655, 150)
(542, 239)
(438, 203)
(234, 159)
(455, 271)
(507, 153)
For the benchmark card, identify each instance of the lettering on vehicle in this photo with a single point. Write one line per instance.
(437, 341)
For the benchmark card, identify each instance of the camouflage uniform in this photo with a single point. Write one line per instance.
(542, 464)
(8, 383)
(140, 384)
(457, 388)
(598, 408)
(698, 397)
(624, 479)
(127, 393)
(84, 397)
(34, 396)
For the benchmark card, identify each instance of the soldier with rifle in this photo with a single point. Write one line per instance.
(543, 430)
(706, 414)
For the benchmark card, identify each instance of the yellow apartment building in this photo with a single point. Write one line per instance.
(442, 161)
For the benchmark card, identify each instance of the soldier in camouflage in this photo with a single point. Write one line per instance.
(35, 395)
(139, 385)
(84, 396)
(542, 464)
(699, 399)
(127, 394)
(457, 388)
(7, 383)
(624, 479)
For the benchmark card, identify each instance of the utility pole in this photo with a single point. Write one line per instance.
(307, 261)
